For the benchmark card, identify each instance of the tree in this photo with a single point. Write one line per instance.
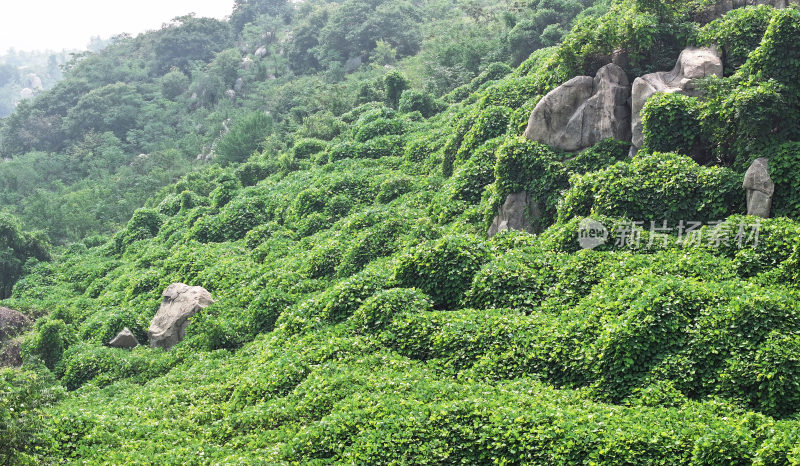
(395, 83)
(188, 39)
(356, 26)
(173, 84)
(247, 11)
(16, 247)
(245, 137)
(112, 108)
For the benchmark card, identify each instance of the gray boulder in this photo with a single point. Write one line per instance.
(180, 302)
(11, 323)
(693, 64)
(760, 188)
(583, 111)
(261, 52)
(519, 212)
(124, 339)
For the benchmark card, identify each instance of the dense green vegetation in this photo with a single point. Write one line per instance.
(361, 314)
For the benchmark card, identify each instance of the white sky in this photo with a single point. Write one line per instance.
(69, 24)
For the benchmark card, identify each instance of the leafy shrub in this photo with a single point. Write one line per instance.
(603, 154)
(754, 245)
(244, 138)
(738, 33)
(442, 269)
(671, 123)
(655, 187)
(250, 173)
(378, 127)
(307, 147)
(373, 243)
(24, 394)
(265, 310)
(227, 187)
(489, 124)
(649, 323)
(101, 365)
(341, 300)
(379, 310)
(395, 83)
(776, 58)
(419, 101)
(525, 165)
(51, 339)
(784, 164)
(16, 248)
(393, 188)
(144, 224)
(467, 184)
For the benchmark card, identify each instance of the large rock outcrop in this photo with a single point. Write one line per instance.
(179, 304)
(584, 111)
(693, 64)
(519, 212)
(760, 188)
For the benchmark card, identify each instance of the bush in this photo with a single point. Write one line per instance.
(532, 167)
(378, 127)
(671, 123)
(379, 310)
(51, 339)
(442, 269)
(489, 124)
(738, 33)
(602, 155)
(250, 173)
(652, 187)
(419, 101)
(144, 224)
(784, 164)
(341, 300)
(305, 148)
(101, 365)
(395, 83)
(393, 188)
(244, 138)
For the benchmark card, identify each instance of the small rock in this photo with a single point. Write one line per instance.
(11, 356)
(760, 188)
(180, 302)
(11, 323)
(124, 339)
(519, 212)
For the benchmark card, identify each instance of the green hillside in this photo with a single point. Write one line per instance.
(329, 171)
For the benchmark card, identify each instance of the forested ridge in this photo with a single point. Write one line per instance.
(328, 172)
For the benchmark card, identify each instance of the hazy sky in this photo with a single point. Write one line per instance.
(60, 24)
